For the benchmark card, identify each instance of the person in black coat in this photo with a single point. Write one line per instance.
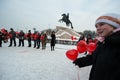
(12, 35)
(105, 60)
(89, 39)
(21, 38)
(82, 37)
(53, 40)
(1, 38)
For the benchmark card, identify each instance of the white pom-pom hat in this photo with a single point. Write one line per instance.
(111, 19)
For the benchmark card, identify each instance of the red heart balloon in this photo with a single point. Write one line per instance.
(72, 54)
(82, 46)
(91, 47)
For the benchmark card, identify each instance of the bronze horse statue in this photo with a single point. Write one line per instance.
(65, 18)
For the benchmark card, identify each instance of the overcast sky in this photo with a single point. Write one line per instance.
(44, 14)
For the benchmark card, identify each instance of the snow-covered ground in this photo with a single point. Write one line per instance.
(24, 63)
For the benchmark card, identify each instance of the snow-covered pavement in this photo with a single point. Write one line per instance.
(23, 63)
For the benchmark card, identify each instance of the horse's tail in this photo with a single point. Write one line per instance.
(60, 20)
(71, 25)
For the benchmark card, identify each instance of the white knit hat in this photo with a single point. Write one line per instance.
(112, 19)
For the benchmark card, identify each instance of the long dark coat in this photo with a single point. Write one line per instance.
(105, 60)
(53, 39)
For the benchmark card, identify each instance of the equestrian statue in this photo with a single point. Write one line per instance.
(65, 18)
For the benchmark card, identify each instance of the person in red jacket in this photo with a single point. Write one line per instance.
(35, 36)
(38, 40)
(29, 38)
(105, 60)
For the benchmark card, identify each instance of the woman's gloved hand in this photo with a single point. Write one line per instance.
(77, 62)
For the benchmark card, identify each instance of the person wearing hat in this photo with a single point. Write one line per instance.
(105, 60)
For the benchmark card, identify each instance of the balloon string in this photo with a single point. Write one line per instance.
(78, 76)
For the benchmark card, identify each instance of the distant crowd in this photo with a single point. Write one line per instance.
(40, 39)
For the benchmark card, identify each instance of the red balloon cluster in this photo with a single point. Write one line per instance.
(82, 47)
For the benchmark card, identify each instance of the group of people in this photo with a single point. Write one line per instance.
(88, 38)
(39, 39)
